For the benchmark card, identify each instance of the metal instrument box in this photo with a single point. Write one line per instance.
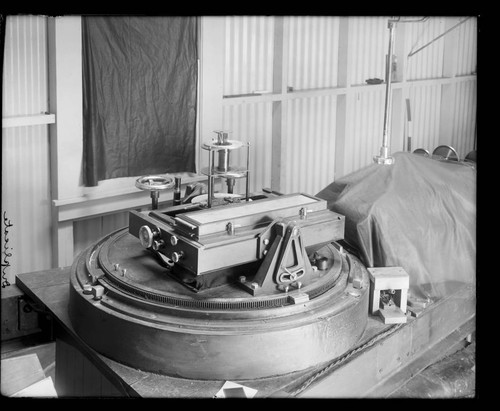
(206, 240)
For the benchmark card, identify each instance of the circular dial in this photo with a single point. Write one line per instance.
(146, 236)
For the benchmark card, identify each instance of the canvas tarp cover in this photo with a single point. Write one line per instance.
(419, 214)
(139, 96)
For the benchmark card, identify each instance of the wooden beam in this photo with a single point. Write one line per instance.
(211, 78)
(62, 242)
(278, 115)
(66, 102)
(448, 91)
(33, 120)
(343, 80)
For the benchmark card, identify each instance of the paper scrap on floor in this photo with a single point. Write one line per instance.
(41, 389)
(234, 390)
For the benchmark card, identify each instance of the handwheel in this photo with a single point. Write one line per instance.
(154, 184)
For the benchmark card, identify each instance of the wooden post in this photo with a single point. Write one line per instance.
(66, 135)
(343, 80)
(211, 78)
(448, 91)
(278, 115)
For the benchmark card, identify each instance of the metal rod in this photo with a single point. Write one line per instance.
(438, 37)
(177, 191)
(248, 178)
(388, 93)
(210, 179)
(154, 199)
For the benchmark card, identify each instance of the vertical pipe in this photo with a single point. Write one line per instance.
(248, 177)
(384, 157)
(177, 191)
(388, 92)
(154, 199)
(210, 179)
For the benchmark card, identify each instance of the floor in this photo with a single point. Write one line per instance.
(452, 377)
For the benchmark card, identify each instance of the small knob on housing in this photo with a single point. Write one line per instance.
(177, 255)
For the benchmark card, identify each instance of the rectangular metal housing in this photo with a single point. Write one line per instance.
(207, 246)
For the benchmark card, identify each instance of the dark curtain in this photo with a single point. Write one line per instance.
(139, 96)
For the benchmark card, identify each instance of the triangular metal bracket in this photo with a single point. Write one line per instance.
(285, 264)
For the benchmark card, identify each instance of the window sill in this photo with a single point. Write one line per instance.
(101, 202)
(28, 120)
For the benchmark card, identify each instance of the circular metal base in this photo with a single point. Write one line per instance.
(143, 318)
(383, 160)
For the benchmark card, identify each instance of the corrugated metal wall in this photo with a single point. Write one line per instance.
(248, 65)
(427, 63)
(365, 138)
(467, 47)
(425, 111)
(313, 44)
(368, 45)
(25, 66)
(309, 144)
(251, 123)
(25, 150)
(464, 130)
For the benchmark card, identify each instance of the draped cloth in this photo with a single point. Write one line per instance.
(419, 214)
(139, 96)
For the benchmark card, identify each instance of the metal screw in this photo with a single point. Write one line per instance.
(242, 279)
(264, 252)
(266, 241)
(124, 271)
(177, 255)
(117, 267)
(299, 284)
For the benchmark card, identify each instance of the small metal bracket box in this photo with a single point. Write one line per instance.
(396, 281)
